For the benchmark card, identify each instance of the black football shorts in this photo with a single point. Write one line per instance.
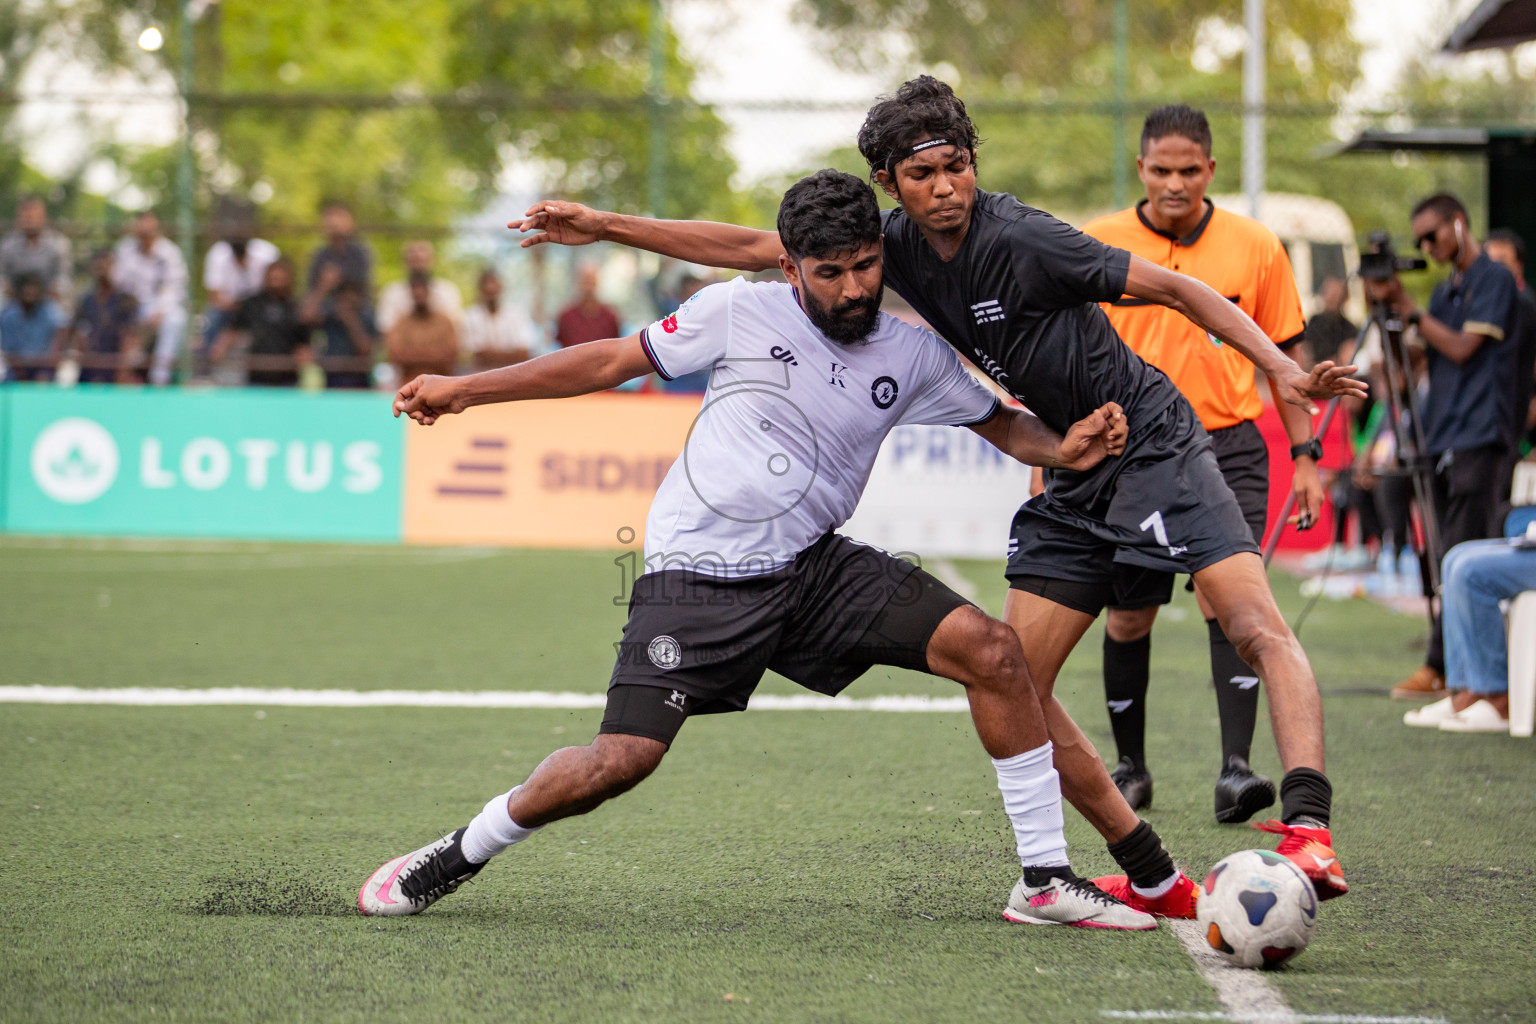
(1170, 510)
(1244, 462)
(698, 644)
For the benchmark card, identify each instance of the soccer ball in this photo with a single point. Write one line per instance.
(1257, 909)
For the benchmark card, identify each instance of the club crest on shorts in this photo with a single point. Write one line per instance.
(883, 391)
(665, 652)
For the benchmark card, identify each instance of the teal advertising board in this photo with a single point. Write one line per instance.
(184, 463)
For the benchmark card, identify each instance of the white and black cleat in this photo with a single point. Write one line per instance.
(1067, 899)
(412, 883)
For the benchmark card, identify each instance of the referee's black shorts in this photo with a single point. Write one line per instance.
(1243, 458)
(697, 644)
(1169, 510)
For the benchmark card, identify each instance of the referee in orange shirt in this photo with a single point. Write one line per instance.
(1178, 228)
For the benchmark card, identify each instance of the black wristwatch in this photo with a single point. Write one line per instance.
(1312, 448)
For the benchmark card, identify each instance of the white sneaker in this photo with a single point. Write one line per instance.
(1430, 715)
(1479, 716)
(412, 883)
(1073, 901)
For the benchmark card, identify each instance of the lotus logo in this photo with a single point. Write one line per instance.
(74, 460)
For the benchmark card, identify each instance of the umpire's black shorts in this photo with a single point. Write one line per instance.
(697, 644)
(1170, 510)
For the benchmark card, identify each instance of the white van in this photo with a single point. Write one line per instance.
(1319, 239)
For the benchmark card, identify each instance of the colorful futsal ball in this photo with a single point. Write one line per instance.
(1257, 909)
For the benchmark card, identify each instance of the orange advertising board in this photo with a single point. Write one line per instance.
(571, 473)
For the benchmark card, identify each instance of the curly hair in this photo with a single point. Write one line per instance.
(828, 214)
(922, 109)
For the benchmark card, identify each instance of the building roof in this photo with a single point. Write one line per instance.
(1495, 24)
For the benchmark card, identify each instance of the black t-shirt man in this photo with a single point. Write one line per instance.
(272, 321)
(1031, 286)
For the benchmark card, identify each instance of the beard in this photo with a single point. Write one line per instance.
(847, 323)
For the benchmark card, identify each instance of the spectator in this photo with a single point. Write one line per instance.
(496, 333)
(342, 250)
(30, 329)
(148, 266)
(1476, 576)
(103, 328)
(586, 319)
(395, 299)
(234, 269)
(36, 249)
(1470, 335)
(1330, 330)
(269, 321)
(425, 340)
(336, 307)
(1508, 248)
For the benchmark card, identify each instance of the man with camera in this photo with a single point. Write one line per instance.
(1468, 337)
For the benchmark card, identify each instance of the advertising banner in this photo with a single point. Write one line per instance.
(574, 473)
(940, 492)
(183, 463)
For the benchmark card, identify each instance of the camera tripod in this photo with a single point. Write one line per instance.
(1404, 419)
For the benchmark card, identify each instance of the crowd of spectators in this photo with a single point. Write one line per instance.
(1472, 365)
(260, 322)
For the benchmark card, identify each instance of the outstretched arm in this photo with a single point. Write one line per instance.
(697, 241)
(578, 370)
(1021, 434)
(1210, 312)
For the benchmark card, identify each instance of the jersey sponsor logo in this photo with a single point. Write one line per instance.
(987, 312)
(783, 355)
(665, 652)
(836, 380)
(678, 701)
(670, 324)
(1154, 522)
(883, 391)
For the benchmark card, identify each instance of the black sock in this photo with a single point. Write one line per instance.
(455, 864)
(1036, 877)
(1237, 694)
(1126, 669)
(1305, 792)
(1142, 857)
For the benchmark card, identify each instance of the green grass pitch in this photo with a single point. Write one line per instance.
(201, 864)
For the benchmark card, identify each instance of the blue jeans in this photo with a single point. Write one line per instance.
(1475, 577)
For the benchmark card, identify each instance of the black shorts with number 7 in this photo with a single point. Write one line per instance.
(1169, 509)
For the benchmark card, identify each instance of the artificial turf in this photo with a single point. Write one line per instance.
(201, 863)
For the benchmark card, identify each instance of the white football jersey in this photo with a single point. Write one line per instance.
(790, 426)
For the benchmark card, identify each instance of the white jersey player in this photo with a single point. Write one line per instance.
(743, 570)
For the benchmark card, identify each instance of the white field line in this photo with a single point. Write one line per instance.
(1260, 1018)
(171, 697)
(1243, 993)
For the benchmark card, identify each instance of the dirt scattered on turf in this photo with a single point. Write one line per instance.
(269, 892)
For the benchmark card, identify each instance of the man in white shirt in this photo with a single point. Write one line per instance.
(496, 333)
(148, 266)
(233, 271)
(395, 299)
(807, 380)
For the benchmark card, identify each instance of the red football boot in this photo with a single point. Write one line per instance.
(1310, 849)
(1176, 902)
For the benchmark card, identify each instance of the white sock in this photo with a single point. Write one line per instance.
(1161, 889)
(492, 831)
(1032, 797)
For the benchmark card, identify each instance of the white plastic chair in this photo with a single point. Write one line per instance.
(1522, 664)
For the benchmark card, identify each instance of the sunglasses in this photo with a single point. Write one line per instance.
(1428, 237)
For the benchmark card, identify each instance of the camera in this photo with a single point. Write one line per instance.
(1380, 262)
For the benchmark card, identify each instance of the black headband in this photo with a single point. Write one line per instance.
(902, 154)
